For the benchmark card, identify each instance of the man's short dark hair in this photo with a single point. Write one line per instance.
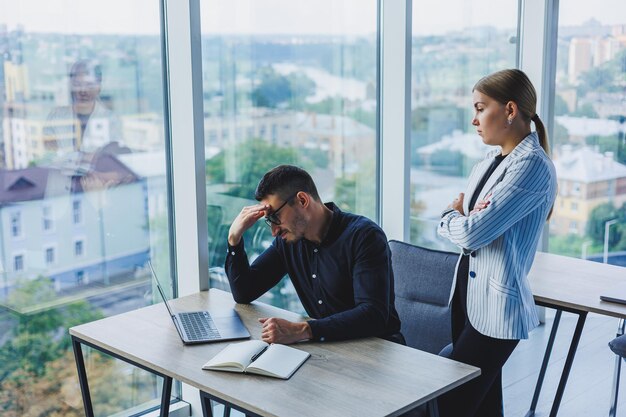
(86, 67)
(285, 181)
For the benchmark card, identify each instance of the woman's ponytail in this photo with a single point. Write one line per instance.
(543, 141)
(541, 132)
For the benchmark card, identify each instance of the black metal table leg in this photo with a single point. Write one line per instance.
(616, 373)
(544, 364)
(433, 408)
(82, 377)
(568, 363)
(165, 396)
(207, 409)
(84, 385)
(206, 399)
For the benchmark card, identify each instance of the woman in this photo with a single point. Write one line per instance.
(497, 223)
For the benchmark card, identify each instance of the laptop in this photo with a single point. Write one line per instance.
(203, 327)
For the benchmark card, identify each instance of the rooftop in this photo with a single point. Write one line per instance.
(78, 173)
(587, 165)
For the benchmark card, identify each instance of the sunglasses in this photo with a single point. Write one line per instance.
(272, 218)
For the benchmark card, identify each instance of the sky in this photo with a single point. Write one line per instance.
(334, 17)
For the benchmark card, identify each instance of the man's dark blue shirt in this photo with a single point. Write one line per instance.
(345, 283)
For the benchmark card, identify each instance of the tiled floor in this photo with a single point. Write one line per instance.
(587, 393)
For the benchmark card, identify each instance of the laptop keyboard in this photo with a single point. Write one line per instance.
(198, 325)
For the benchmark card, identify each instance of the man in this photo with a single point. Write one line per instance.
(339, 263)
(86, 124)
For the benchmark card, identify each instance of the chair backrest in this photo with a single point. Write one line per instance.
(618, 345)
(423, 278)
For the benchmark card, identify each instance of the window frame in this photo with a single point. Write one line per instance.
(16, 229)
(49, 217)
(54, 255)
(14, 257)
(77, 212)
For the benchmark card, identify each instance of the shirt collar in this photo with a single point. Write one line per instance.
(335, 229)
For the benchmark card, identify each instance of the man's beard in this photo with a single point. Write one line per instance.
(300, 223)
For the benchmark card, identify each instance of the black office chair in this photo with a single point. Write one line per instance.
(618, 346)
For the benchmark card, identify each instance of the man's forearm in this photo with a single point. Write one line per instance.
(249, 282)
(234, 239)
(362, 321)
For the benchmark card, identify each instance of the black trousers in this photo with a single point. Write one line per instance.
(482, 396)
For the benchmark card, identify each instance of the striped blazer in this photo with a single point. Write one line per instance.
(502, 238)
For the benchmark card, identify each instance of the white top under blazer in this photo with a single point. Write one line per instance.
(502, 238)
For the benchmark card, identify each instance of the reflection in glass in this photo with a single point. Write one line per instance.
(82, 198)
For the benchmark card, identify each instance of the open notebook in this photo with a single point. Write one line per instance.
(258, 357)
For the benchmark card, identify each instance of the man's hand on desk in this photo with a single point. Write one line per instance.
(277, 330)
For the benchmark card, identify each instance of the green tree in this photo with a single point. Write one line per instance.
(368, 118)
(604, 143)
(345, 194)
(608, 77)
(35, 338)
(447, 161)
(254, 158)
(560, 134)
(37, 368)
(600, 79)
(276, 90)
(586, 110)
(560, 106)
(567, 245)
(597, 219)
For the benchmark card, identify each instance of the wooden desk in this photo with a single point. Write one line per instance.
(366, 377)
(572, 285)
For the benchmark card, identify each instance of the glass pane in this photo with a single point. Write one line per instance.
(295, 87)
(455, 43)
(589, 148)
(83, 195)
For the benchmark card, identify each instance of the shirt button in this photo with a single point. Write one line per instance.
(319, 301)
(473, 254)
(233, 253)
(472, 274)
(314, 276)
(315, 250)
(441, 224)
(322, 339)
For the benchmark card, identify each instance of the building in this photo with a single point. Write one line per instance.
(580, 58)
(77, 223)
(586, 179)
(464, 150)
(377, 132)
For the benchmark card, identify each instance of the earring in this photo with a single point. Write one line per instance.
(510, 121)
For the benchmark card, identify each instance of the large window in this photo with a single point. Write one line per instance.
(589, 145)
(455, 43)
(81, 127)
(286, 83)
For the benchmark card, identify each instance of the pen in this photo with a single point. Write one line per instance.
(255, 357)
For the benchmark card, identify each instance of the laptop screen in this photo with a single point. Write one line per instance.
(160, 289)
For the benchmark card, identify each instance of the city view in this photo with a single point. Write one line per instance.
(83, 172)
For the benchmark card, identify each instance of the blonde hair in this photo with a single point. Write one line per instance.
(513, 85)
